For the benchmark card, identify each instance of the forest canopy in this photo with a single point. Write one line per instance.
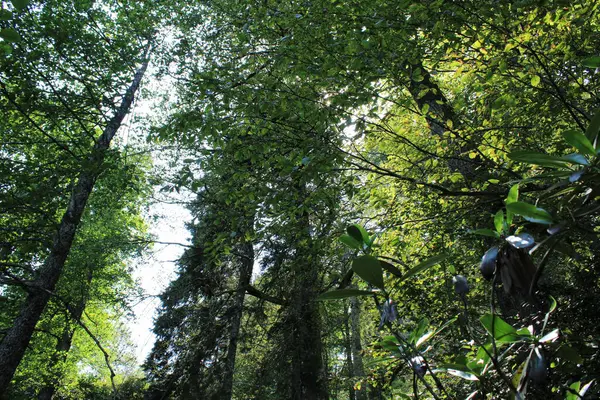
(389, 199)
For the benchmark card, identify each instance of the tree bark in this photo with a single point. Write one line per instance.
(247, 261)
(16, 341)
(355, 338)
(348, 348)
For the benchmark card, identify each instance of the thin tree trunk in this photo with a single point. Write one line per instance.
(16, 341)
(348, 348)
(357, 361)
(247, 261)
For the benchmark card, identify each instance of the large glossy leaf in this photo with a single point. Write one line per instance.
(577, 158)
(359, 234)
(20, 4)
(10, 35)
(369, 269)
(545, 160)
(530, 212)
(593, 128)
(499, 221)
(578, 140)
(343, 294)
(350, 242)
(430, 262)
(591, 62)
(502, 331)
(390, 268)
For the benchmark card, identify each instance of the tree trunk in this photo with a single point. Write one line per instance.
(357, 361)
(348, 348)
(308, 377)
(247, 261)
(14, 344)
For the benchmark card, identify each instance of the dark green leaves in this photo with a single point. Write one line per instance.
(530, 212)
(10, 35)
(591, 62)
(359, 234)
(578, 140)
(20, 4)
(350, 242)
(545, 160)
(343, 294)
(594, 127)
(5, 15)
(369, 269)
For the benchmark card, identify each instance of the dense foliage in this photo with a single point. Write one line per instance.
(392, 199)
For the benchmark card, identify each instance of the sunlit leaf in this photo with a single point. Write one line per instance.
(499, 221)
(502, 331)
(530, 212)
(578, 140)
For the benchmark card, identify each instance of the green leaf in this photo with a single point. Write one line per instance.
(20, 4)
(359, 233)
(573, 395)
(578, 140)
(513, 194)
(350, 242)
(390, 268)
(343, 294)
(591, 62)
(594, 127)
(430, 262)
(502, 331)
(499, 221)
(5, 15)
(570, 354)
(485, 232)
(530, 212)
(576, 158)
(369, 269)
(545, 160)
(535, 80)
(10, 35)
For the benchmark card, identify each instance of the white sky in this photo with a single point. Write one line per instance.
(155, 272)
